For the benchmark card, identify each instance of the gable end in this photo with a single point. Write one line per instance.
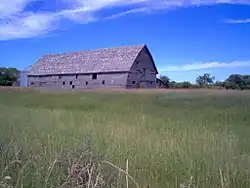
(150, 56)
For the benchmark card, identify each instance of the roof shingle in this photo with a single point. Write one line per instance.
(100, 60)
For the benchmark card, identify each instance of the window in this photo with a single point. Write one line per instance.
(60, 76)
(137, 62)
(94, 76)
(76, 76)
(86, 83)
(73, 86)
(63, 83)
(70, 83)
(103, 82)
(133, 82)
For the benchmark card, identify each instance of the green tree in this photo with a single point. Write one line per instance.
(8, 76)
(247, 81)
(165, 80)
(205, 80)
(173, 84)
(179, 85)
(186, 84)
(237, 81)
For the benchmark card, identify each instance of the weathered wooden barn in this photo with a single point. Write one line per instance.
(117, 67)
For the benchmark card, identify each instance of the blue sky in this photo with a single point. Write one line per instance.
(186, 37)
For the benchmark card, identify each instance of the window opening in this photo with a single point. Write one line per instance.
(94, 76)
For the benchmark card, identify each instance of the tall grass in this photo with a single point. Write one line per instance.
(174, 139)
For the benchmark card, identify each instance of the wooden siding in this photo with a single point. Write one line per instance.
(143, 72)
(82, 81)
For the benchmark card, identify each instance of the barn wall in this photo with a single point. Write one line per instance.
(142, 73)
(111, 80)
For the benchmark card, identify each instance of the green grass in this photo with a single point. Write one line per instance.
(167, 138)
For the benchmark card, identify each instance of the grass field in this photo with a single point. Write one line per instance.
(169, 139)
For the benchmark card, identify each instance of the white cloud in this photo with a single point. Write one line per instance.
(16, 23)
(25, 26)
(84, 10)
(78, 15)
(136, 10)
(206, 65)
(11, 7)
(234, 21)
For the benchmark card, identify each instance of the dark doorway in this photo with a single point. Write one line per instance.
(94, 76)
(73, 86)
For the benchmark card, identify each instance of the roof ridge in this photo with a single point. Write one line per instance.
(94, 49)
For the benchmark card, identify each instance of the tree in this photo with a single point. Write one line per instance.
(8, 76)
(219, 83)
(247, 81)
(237, 81)
(186, 84)
(205, 80)
(173, 84)
(180, 85)
(165, 80)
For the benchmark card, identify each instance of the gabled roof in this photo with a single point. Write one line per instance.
(116, 59)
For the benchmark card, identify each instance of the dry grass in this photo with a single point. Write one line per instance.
(122, 139)
(121, 90)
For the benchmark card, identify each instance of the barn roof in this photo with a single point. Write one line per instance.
(116, 59)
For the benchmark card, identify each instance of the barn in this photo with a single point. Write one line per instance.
(117, 67)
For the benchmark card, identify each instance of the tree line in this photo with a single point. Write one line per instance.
(10, 77)
(234, 81)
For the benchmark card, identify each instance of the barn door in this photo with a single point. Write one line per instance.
(138, 85)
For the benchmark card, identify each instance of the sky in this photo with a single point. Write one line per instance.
(187, 38)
